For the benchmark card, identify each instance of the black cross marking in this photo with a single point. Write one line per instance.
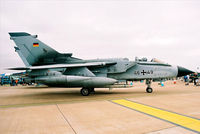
(143, 72)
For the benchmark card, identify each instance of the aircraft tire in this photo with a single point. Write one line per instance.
(149, 90)
(85, 91)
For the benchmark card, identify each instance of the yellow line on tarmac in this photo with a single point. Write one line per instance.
(181, 120)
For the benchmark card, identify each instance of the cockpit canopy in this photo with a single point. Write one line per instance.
(144, 59)
(157, 60)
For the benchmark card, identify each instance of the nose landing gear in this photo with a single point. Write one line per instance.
(149, 89)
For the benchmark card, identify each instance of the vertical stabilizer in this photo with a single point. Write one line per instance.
(31, 50)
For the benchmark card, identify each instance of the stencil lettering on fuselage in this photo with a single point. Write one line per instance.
(143, 72)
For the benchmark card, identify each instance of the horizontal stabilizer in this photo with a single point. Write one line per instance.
(64, 66)
(17, 34)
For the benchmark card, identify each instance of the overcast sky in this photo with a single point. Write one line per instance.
(165, 29)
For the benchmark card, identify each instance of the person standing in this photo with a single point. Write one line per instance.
(16, 82)
(185, 78)
(188, 79)
(195, 79)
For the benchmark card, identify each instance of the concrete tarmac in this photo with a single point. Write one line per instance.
(34, 110)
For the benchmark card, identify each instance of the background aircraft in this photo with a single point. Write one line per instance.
(47, 66)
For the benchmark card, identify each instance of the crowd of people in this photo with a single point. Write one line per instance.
(11, 81)
(193, 78)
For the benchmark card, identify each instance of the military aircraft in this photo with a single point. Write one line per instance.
(47, 66)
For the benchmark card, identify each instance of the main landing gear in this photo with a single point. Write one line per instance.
(149, 89)
(86, 91)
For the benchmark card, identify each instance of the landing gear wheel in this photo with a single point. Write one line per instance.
(85, 91)
(149, 90)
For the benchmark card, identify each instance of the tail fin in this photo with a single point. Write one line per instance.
(31, 50)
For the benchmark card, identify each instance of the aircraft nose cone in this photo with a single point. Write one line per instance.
(183, 71)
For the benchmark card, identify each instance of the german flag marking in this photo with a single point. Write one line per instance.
(35, 44)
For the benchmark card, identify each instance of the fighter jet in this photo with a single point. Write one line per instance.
(45, 65)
